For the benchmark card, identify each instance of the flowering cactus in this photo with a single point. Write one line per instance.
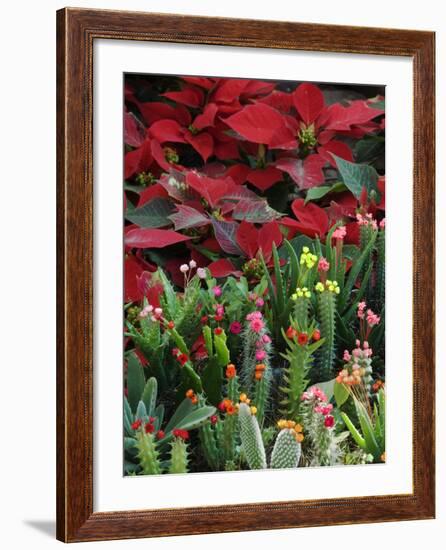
(251, 437)
(287, 448)
(178, 453)
(147, 453)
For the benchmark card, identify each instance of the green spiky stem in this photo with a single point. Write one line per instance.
(251, 437)
(327, 353)
(233, 389)
(295, 380)
(209, 445)
(249, 357)
(380, 289)
(188, 322)
(261, 394)
(301, 311)
(286, 452)
(147, 453)
(366, 234)
(178, 457)
(229, 437)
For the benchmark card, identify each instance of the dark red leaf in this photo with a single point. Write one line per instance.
(339, 148)
(223, 268)
(133, 130)
(153, 238)
(338, 117)
(167, 130)
(307, 173)
(206, 118)
(202, 143)
(309, 102)
(258, 123)
(264, 178)
(156, 110)
(225, 233)
(312, 220)
(151, 192)
(228, 90)
(187, 217)
(191, 96)
(138, 160)
(248, 238)
(212, 190)
(269, 233)
(206, 83)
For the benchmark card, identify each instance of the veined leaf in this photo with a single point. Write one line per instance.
(153, 214)
(135, 381)
(357, 176)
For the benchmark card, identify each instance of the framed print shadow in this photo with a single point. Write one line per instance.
(245, 275)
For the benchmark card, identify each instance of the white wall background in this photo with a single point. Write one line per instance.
(28, 267)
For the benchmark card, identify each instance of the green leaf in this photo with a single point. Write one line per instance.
(183, 409)
(135, 380)
(221, 350)
(149, 395)
(357, 176)
(196, 418)
(341, 394)
(153, 214)
(315, 193)
(128, 417)
(355, 434)
(367, 430)
(141, 411)
(212, 379)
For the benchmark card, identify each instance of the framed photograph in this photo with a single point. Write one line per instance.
(245, 275)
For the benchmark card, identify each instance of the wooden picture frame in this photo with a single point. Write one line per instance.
(77, 29)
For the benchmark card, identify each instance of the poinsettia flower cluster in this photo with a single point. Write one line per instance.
(207, 159)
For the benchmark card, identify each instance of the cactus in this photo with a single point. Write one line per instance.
(380, 287)
(251, 437)
(178, 457)
(209, 445)
(147, 453)
(295, 381)
(287, 450)
(326, 302)
(301, 310)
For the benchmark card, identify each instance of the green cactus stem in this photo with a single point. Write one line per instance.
(301, 310)
(287, 450)
(380, 289)
(294, 380)
(262, 389)
(326, 302)
(251, 437)
(178, 457)
(209, 445)
(147, 453)
(229, 438)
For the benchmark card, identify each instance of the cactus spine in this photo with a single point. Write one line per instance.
(178, 457)
(251, 437)
(326, 302)
(147, 453)
(287, 450)
(209, 445)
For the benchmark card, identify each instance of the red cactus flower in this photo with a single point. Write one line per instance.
(302, 338)
(291, 333)
(183, 358)
(329, 421)
(214, 419)
(160, 434)
(149, 428)
(182, 434)
(316, 334)
(218, 331)
(136, 424)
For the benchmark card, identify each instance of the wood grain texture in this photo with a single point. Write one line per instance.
(76, 31)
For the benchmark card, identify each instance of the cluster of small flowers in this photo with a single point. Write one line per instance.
(156, 313)
(181, 434)
(227, 406)
(330, 286)
(318, 401)
(182, 358)
(258, 300)
(186, 269)
(358, 366)
(190, 394)
(378, 385)
(371, 317)
(323, 265)
(231, 371)
(366, 220)
(256, 322)
(295, 429)
(307, 258)
(149, 427)
(301, 293)
(302, 337)
(340, 232)
(219, 312)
